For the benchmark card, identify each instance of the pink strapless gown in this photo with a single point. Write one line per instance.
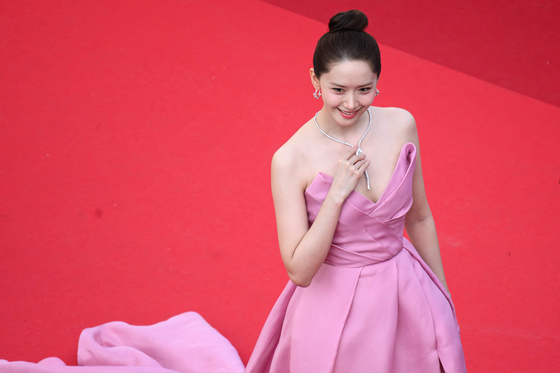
(373, 306)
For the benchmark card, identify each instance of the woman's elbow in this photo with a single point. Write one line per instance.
(299, 275)
(301, 281)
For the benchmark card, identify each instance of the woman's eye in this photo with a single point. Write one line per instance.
(366, 89)
(337, 89)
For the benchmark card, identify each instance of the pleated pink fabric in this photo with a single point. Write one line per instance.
(374, 305)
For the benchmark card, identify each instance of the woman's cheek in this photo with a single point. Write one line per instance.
(331, 100)
(368, 99)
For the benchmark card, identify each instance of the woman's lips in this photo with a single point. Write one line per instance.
(348, 114)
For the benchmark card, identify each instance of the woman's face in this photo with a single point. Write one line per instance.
(348, 91)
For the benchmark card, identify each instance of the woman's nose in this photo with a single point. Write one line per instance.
(351, 102)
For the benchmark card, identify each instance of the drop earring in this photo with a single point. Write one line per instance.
(376, 92)
(317, 94)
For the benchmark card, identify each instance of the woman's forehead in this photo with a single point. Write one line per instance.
(350, 73)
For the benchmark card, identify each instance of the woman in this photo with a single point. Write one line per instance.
(361, 297)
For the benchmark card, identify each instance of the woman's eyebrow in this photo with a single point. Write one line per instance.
(343, 86)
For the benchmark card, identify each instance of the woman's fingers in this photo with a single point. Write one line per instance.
(355, 161)
(351, 156)
(351, 152)
(351, 168)
(358, 158)
(351, 163)
(363, 165)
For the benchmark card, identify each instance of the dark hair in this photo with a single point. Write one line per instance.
(346, 41)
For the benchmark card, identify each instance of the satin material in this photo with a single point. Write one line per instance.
(374, 305)
(185, 343)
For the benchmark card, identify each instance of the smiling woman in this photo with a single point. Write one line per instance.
(362, 298)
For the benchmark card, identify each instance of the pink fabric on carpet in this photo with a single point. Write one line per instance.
(185, 343)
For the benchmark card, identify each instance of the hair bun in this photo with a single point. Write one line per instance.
(350, 20)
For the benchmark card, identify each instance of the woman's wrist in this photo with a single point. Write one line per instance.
(335, 198)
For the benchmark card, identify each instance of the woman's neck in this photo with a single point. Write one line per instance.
(349, 133)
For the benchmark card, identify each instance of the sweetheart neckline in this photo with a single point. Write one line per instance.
(330, 178)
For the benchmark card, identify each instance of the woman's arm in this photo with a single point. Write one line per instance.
(419, 222)
(423, 236)
(304, 249)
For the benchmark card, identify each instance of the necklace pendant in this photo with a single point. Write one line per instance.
(359, 151)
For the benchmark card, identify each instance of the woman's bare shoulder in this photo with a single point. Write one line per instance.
(396, 115)
(290, 157)
(400, 121)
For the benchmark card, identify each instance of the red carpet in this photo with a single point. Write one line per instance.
(513, 44)
(135, 150)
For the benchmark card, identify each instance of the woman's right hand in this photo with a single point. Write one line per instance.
(350, 169)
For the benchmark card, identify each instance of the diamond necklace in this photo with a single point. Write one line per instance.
(359, 151)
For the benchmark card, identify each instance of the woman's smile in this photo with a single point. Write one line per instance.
(348, 114)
